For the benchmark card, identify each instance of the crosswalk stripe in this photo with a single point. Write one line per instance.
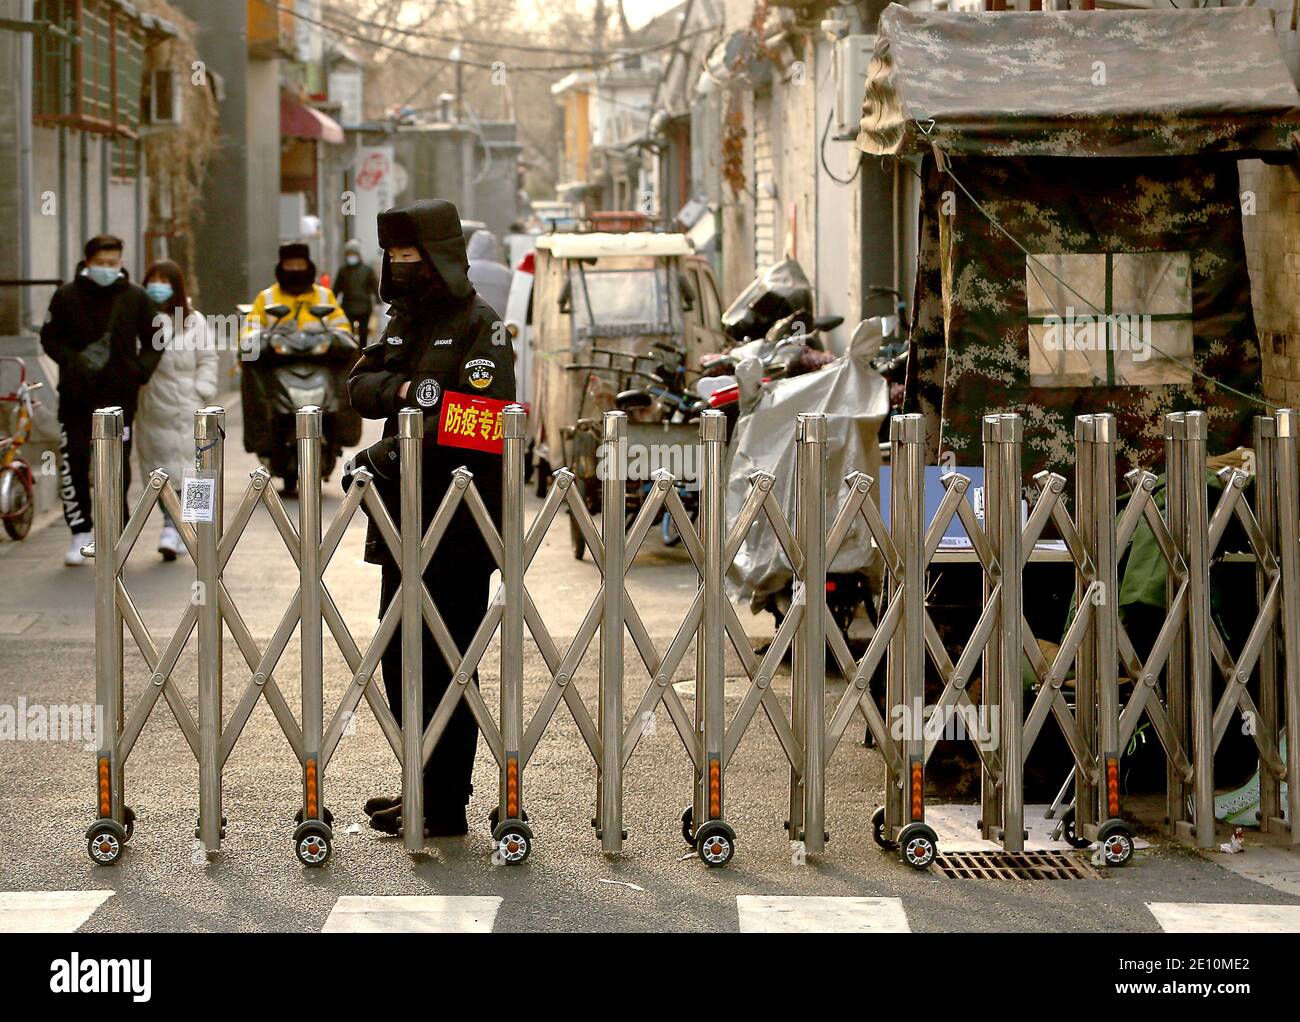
(777, 914)
(1198, 917)
(413, 914)
(48, 911)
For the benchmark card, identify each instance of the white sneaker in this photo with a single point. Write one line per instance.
(169, 543)
(74, 557)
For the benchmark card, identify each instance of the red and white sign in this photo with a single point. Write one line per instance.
(472, 422)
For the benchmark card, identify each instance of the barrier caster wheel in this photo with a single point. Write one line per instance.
(326, 815)
(1070, 835)
(495, 816)
(878, 830)
(514, 841)
(105, 842)
(312, 843)
(920, 844)
(128, 822)
(1116, 840)
(716, 843)
(688, 825)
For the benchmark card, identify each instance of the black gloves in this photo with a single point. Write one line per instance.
(380, 460)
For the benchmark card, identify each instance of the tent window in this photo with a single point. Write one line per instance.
(1117, 319)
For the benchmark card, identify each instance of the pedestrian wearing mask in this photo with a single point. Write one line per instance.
(184, 381)
(99, 331)
(356, 287)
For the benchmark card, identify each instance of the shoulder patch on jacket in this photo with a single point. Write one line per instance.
(480, 372)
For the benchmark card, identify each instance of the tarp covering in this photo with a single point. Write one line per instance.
(1153, 244)
(855, 400)
(1079, 83)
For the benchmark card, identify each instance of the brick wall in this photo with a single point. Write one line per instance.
(1273, 249)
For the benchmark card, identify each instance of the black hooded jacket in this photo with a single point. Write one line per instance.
(80, 312)
(431, 342)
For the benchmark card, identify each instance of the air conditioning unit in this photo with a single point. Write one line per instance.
(852, 59)
(165, 104)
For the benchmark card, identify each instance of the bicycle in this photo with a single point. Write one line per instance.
(17, 485)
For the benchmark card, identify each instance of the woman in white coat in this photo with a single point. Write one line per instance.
(185, 381)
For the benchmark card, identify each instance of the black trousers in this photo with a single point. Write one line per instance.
(360, 326)
(461, 599)
(75, 463)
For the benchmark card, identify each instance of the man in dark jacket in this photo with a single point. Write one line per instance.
(356, 286)
(443, 347)
(100, 332)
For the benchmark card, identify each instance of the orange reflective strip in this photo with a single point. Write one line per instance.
(105, 788)
(715, 788)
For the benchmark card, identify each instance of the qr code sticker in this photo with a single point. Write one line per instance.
(198, 499)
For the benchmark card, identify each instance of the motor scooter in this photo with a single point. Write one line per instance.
(293, 368)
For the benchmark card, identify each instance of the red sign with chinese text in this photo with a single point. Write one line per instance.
(472, 422)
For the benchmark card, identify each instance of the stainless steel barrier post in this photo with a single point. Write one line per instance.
(510, 793)
(1176, 688)
(1114, 835)
(209, 435)
(1265, 473)
(810, 437)
(1288, 547)
(715, 839)
(1198, 567)
(410, 431)
(795, 826)
(313, 837)
(613, 459)
(1004, 493)
(1086, 664)
(991, 800)
(916, 839)
(107, 836)
(895, 800)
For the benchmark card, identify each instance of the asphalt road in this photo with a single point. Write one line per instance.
(164, 882)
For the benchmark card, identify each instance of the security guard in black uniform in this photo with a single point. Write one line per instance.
(442, 339)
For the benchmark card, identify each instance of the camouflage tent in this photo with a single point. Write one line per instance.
(1080, 240)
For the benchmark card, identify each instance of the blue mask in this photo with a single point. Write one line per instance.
(353, 260)
(103, 275)
(159, 290)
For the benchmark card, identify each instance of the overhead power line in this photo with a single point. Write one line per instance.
(465, 62)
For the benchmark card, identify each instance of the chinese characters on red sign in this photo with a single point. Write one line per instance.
(472, 422)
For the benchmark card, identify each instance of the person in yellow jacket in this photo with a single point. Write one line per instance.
(295, 286)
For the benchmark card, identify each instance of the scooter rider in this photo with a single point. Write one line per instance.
(296, 289)
(295, 286)
(443, 345)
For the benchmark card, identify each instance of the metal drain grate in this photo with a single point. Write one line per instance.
(1014, 866)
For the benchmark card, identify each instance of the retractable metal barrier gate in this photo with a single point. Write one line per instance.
(1172, 688)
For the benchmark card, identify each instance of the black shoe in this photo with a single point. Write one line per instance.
(381, 802)
(387, 821)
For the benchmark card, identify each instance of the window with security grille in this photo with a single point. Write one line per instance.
(1109, 319)
(88, 66)
(125, 158)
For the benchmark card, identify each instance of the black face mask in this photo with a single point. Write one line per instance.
(409, 280)
(296, 282)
